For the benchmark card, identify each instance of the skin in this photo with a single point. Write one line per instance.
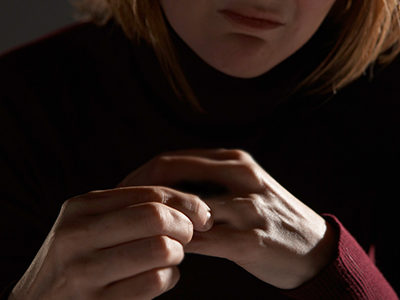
(115, 244)
(127, 242)
(252, 220)
(239, 52)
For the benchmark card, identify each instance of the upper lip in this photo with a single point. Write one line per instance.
(254, 13)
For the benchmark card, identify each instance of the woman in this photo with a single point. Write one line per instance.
(261, 150)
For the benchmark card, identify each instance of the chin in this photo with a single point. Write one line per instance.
(241, 67)
(242, 73)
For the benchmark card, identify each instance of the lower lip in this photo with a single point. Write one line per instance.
(259, 24)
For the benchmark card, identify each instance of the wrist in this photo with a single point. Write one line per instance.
(322, 254)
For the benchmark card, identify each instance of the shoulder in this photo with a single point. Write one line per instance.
(364, 115)
(63, 78)
(374, 97)
(50, 47)
(70, 63)
(65, 50)
(41, 71)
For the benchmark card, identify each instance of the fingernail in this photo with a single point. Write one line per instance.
(209, 223)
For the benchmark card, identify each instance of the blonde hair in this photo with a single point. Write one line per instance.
(369, 32)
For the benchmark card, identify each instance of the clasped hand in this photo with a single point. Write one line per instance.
(127, 242)
(258, 224)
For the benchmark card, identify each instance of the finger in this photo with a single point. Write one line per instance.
(241, 213)
(212, 153)
(147, 285)
(137, 222)
(100, 202)
(140, 176)
(222, 241)
(127, 260)
(222, 209)
(169, 170)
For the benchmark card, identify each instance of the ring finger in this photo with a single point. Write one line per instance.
(127, 260)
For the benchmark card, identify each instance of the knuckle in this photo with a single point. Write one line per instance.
(253, 205)
(163, 279)
(239, 154)
(259, 238)
(157, 280)
(190, 202)
(160, 245)
(248, 205)
(255, 201)
(72, 203)
(256, 235)
(167, 251)
(157, 194)
(81, 203)
(153, 210)
(251, 172)
(247, 170)
(156, 215)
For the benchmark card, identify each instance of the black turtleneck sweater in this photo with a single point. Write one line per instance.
(83, 107)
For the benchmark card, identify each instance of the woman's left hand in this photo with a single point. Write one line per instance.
(258, 224)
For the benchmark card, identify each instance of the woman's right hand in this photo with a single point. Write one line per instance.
(115, 244)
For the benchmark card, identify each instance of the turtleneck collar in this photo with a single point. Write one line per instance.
(226, 97)
(229, 101)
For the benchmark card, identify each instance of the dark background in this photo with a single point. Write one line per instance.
(22, 21)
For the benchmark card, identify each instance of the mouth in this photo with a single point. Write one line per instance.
(250, 21)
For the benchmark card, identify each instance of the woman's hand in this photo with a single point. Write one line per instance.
(115, 244)
(258, 224)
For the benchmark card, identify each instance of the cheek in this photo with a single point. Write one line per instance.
(183, 14)
(311, 13)
(194, 21)
(173, 11)
(308, 17)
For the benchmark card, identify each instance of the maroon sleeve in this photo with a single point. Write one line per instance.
(351, 275)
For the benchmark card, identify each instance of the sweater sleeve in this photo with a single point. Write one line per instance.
(351, 275)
